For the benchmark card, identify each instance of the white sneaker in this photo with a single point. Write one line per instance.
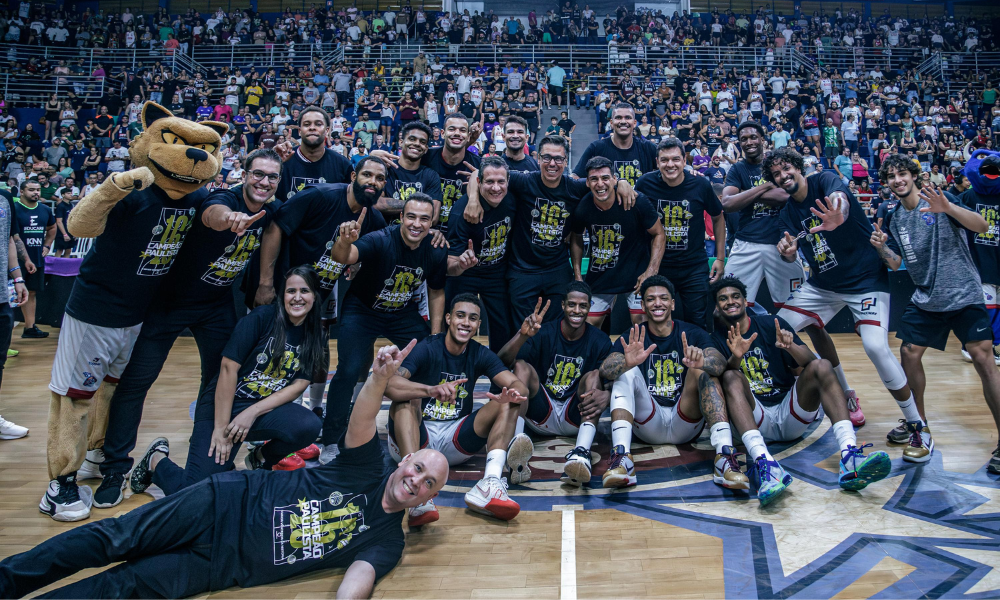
(518, 454)
(10, 431)
(966, 356)
(91, 467)
(577, 470)
(423, 514)
(330, 452)
(489, 497)
(67, 502)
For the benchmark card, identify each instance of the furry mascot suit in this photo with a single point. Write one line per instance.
(983, 171)
(139, 219)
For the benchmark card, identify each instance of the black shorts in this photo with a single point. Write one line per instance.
(35, 282)
(556, 90)
(930, 329)
(62, 244)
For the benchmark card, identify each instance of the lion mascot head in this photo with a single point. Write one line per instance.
(983, 171)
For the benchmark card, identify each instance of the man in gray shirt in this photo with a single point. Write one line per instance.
(8, 258)
(926, 231)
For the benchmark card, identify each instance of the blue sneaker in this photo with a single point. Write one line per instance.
(858, 470)
(769, 479)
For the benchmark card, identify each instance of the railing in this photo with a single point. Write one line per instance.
(954, 64)
(931, 67)
(112, 60)
(705, 58)
(569, 57)
(264, 55)
(34, 90)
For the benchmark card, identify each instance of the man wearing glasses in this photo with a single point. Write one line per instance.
(195, 295)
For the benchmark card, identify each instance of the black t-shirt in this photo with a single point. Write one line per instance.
(430, 363)
(538, 242)
(525, 165)
(619, 242)
(14, 221)
(841, 260)
(402, 182)
(561, 363)
(769, 369)
(211, 260)
(288, 523)
(127, 262)
(682, 211)
(985, 247)
(392, 272)
(311, 221)
(489, 237)
(451, 182)
(62, 211)
(663, 370)
(31, 224)
(297, 172)
(758, 221)
(629, 164)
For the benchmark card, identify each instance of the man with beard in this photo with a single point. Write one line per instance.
(310, 162)
(845, 271)
(397, 261)
(195, 295)
(775, 386)
(448, 162)
(409, 175)
(515, 135)
(632, 156)
(432, 407)
(754, 254)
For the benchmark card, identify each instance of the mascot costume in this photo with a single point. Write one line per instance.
(138, 219)
(983, 171)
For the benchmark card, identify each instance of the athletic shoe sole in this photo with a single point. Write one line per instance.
(901, 437)
(116, 502)
(138, 474)
(874, 468)
(729, 485)
(993, 469)
(518, 455)
(12, 437)
(620, 481)
(424, 519)
(48, 507)
(577, 473)
(775, 493)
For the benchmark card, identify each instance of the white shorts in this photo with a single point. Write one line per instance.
(786, 421)
(810, 305)
(990, 295)
(601, 304)
(752, 262)
(443, 437)
(329, 309)
(655, 424)
(420, 297)
(87, 355)
(556, 422)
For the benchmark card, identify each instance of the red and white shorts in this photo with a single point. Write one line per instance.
(785, 421)
(442, 436)
(88, 355)
(601, 304)
(810, 305)
(990, 296)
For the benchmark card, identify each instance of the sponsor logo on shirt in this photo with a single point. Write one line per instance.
(665, 377)
(992, 215)
(399, 288)
(676, 216)
(311, 529)
(494, 243)
(868, 304)
(437, 410)
(223, 270)
(824, 257)
(168, 235)
(548, 219)
(563, 374)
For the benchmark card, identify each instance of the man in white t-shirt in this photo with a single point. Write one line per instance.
(116, 157)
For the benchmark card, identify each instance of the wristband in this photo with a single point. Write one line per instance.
(14, 269)
(19, 280)
(47, 247)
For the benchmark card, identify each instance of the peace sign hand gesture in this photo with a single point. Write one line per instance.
(635, 349)
(533, 322)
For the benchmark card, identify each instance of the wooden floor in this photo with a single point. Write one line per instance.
(636, 548)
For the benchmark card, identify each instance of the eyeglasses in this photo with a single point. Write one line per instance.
(548, 158)
(260, 175)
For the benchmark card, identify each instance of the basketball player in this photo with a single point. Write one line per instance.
(925, 229)
(409, 175)
(433, 407)
(754, 256)
(379, 303)
(844, 272)
(516, 151)
(311, 162)
(666, 387)
(775, 386)
(195, 295)
(681, 200)
(449, 161)
(569, 399)
(630, 155)
(347, 515)
(626, 246)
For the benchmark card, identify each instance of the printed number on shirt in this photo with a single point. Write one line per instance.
(167, 238)
(314, 528)
(547, 222)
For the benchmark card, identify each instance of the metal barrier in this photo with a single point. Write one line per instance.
(112, 59)
(956, 64)
(570, 57)
(265, 55)
(29, 90)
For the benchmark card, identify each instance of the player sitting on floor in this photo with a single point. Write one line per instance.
(432, 407)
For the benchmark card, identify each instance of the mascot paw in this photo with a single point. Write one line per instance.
(139, 178)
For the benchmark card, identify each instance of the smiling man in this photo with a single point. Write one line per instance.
(346, 514)
(630, 156)
(410, 175)
(310, 162)
(516, 152)
(448, 162)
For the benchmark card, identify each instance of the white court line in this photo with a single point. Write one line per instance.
(567, 583)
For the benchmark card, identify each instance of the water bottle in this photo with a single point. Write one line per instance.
(11, 293)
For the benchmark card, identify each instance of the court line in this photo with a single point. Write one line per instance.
(567, 582)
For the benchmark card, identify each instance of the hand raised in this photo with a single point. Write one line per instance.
(782, 338)
(468, 259)
(694, 357)
(239, 222)
(830, 211)
(635, 349)
(739, 345)
(388, 359)
(533, 322)
(878, 237)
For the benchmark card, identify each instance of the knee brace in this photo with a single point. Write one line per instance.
(623, 390)
(875, 340)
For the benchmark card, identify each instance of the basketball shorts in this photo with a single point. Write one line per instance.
(657, 424)
(546, 416)
(601, 304)
(753, 262)
(784, 421)
(420, 298)
(990, 296)
(810, 305)
(88, 355)
(930, 329)
(456, 439)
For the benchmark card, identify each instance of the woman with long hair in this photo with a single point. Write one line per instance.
(267, 364)
(52, 112)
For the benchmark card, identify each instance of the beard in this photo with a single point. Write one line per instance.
(363, 197)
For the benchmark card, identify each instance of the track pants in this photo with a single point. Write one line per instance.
(524, 290)
(493, 294)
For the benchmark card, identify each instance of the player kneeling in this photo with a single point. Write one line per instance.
(767, 401)
(432, 407)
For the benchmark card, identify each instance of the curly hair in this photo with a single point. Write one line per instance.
(779, 156)
(898, 163)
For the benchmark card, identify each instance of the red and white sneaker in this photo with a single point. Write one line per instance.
(489, 497)
(310, 452)
(291, 462)
(423, 514)
(854, 407)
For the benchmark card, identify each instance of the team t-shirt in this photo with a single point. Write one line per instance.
(297, 172)
(311, 221)
(489, 237)
(561, 363)
(629, 164)
(663, 370)
(392, 272)
(32, 222)
(294, 522)
(525, 165)
(401, 183)
(127, 262)
(841, 260)
(430, 363)
(619, 242)
(769, 370)
(538, 242)
(985, 247)
(758, 221)
(682, 211)
(451, 181)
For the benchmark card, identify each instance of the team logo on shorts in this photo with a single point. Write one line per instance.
(868, 304)
(794, 284)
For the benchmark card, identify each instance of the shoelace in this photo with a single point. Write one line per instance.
(852, 404)
(731, 460)
(500, 489)
(4, 422)
(916, 440)
(578, 451)
(854, 452)
(616, 460)
(763, 468)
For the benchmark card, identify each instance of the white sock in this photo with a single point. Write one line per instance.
(839, 370)
(909, 408)
(316, 395)
(519, 428)
(844, 431)
(585, 437)
(621, 435)
(756, 447)
(722, 435)
(495, 461)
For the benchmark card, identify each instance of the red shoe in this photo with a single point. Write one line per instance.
(489, 497)
(289, 463)
(310, 452)
(854, 408)
(423, 514)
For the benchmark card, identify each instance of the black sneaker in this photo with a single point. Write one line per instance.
(254, 460)
(994, 466)
(142, 476)
(112, 490)
(34, 333)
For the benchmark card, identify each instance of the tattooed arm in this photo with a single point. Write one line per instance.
(613, 366)
(22, 252)
(880, 240)
(715, 363)
(713, 405)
